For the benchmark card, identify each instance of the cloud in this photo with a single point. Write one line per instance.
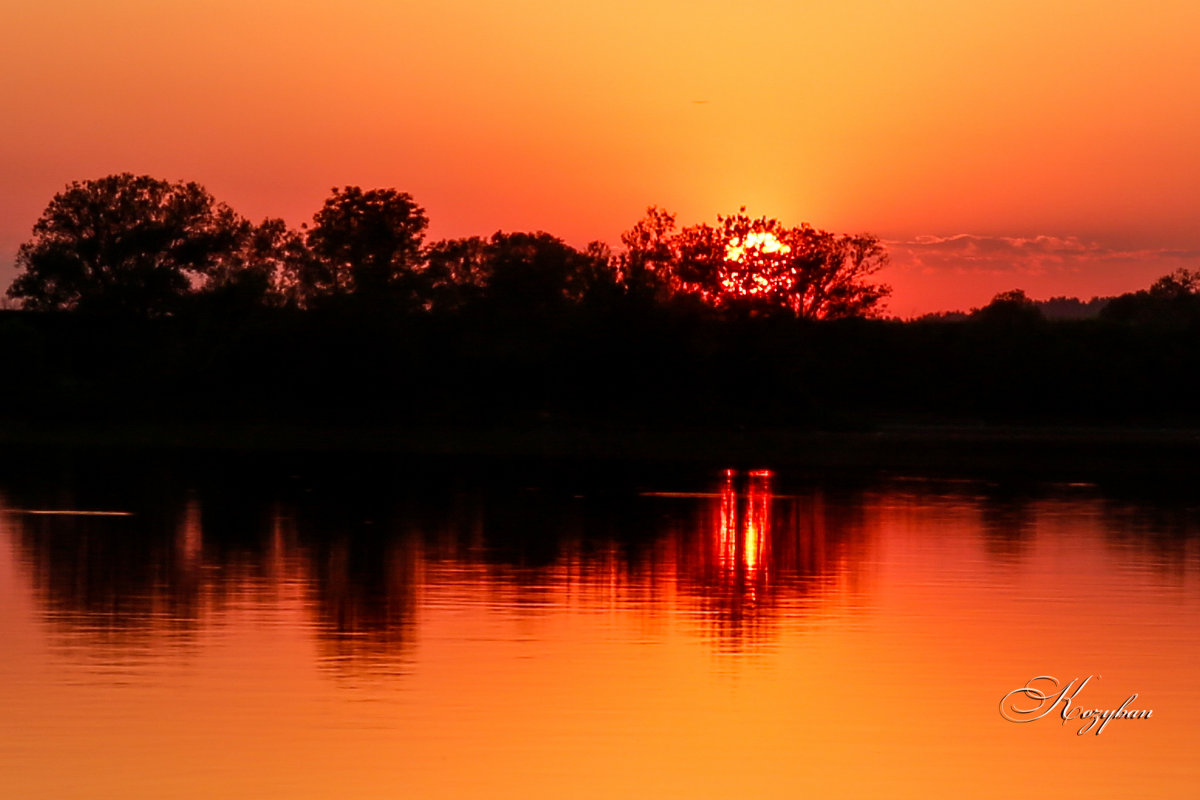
(1026, 255)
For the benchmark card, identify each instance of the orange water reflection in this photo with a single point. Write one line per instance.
(754, 557)
(741, 556)
(752, 636)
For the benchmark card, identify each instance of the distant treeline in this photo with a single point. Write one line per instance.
(357, 321)
(1056, 308)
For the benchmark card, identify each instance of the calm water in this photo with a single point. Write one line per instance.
(250, 630)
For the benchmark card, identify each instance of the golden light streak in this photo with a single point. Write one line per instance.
(67, 512)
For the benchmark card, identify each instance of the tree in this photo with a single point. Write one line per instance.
(457, 271)
(1009, 308)
(651, 251)
(1180, 283)
(262, 271)
(528, 272)
(367, 244)
(127, 243)
(757, 265)
(1172, 300)
(537, 272)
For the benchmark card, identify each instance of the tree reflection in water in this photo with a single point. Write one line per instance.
(364, 560)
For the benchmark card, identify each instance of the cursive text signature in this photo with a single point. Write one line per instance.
(1044, 694)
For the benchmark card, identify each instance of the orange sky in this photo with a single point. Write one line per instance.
(1046, 145)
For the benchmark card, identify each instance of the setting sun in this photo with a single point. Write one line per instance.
(762, 242)
(747, 265)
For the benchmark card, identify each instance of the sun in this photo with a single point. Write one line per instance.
(761, 241)
(751, 265)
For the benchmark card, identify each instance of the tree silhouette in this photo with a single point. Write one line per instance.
(529, 273)
(1180, 283)
(263, 271)
(127, 243)
(651, 251)
(1172, 300)
(537, 272)
(367, 244)
(1009, 308)
(457, 271)
(758, 265)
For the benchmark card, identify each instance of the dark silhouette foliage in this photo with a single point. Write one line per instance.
(530, 274)
(129, 243)
(1009, 308)
(651, 253)
(537, 272)
(757, 265)
(357, 320)
(457, 272)
(1173, 300)
(366, 245)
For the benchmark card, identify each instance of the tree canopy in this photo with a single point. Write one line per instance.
(1172, 300)
(366, 244)
(141, 245)
(127, 242)
(1009, 308)
(757, 264)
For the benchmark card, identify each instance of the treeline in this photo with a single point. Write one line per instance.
(1173, 300)
(147, 300)
(139, 246)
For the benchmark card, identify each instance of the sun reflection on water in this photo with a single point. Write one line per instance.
(743, 533)
(745, 548)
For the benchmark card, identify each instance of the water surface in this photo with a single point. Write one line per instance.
(370, 630)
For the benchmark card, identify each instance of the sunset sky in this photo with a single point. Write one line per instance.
(1046, 145)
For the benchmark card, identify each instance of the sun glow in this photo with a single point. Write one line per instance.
(762, 242)
(751, 264)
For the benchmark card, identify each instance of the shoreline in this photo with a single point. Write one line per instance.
(885, 447)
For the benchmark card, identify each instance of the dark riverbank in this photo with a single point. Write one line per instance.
(925, 447)
(618, 383)
(623, 367)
